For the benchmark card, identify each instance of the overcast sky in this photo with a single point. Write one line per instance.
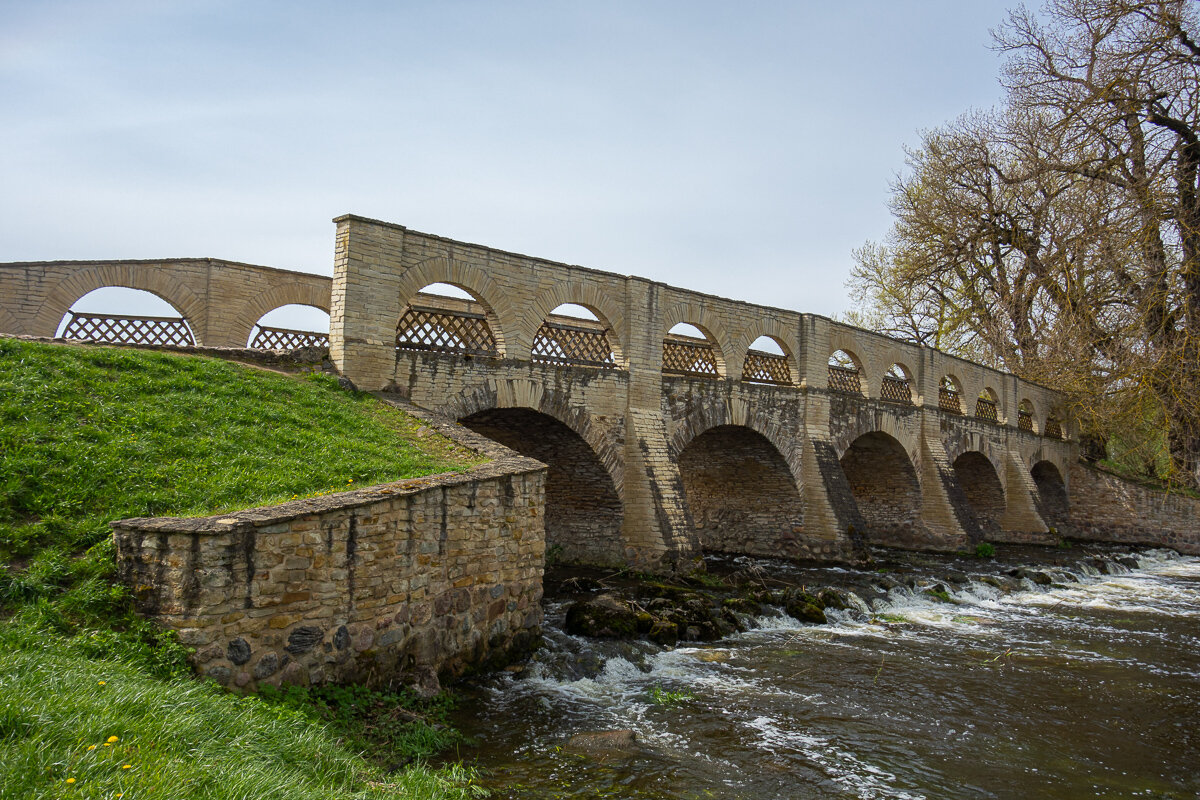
(742, 149)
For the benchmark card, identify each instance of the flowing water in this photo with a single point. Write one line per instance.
(1089, 687)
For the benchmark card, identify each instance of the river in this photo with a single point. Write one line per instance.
(1088, 687)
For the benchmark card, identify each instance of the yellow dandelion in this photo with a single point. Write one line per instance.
(112, 739)
(70, 780)
(127, 766)
(91, 747)
(101, 682)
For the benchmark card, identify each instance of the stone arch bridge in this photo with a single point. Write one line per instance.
(659, 445)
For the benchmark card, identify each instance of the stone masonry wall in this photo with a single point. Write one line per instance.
(742, 496)
(394, 583)
(1107, 508)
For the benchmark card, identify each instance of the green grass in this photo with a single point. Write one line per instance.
(89, 435)
(70, 725)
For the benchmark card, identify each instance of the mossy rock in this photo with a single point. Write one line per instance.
(604, 617)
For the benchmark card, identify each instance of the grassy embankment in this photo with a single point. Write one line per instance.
(96, 702)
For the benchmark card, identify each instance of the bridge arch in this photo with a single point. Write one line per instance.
(742, 494)
(591, 297)
(988, 396)
(772, 334)
(605, 442)
(503, 319)
(1027, 417)
(584, 510)
(883, 483)
(847, 373)
(706, 416)
(1052, 502)
(950, 394)
(898, 385)
(979, 479)
(247, 315)
(144, 277)
(702, 318)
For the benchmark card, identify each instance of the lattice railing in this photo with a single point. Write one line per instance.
(286, 339)
(949, 400)
(763, 367)
(684, 355)
(1054, 429)
(1024, 420)
(844, 379)
(575, 344)
(986, 408)
(438, 330)
(896, 390)
(128, 330)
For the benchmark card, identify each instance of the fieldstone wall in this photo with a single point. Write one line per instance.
(400, 582)
(1109, 509)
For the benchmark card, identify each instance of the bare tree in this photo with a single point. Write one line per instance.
(1063, 230)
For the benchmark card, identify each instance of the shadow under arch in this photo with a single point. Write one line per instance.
(142, 277)
(741, 494)
(584, 512)
(978, 477)
(605, 441)
(1052, 500)
(885, 490)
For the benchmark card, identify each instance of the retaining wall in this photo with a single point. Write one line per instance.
(1107, 508)
(396, 583)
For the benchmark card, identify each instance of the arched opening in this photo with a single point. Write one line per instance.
(741, 493)
(574, 335)
(1054, 428)
(767, 362)
(987, 405)
(689, 350)
(1025, 416)
(950, 395)
(1052, 494)
(885, 488)
(446, 318)
(583, 510)
(120, 315)
(897, 385)
(289, 327)
(983, 489)
(845, 373)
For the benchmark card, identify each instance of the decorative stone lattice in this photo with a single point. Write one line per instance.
(949, 400)
(286, 339)
(1025, 420)
(685, 355)
(763, 367)
(129, 330)
(986, 409)
(572, 342)
(1054, 429)
(441, 331)
(844, 379)
(896, 390)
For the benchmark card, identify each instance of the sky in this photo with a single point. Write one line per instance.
(740, 149)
